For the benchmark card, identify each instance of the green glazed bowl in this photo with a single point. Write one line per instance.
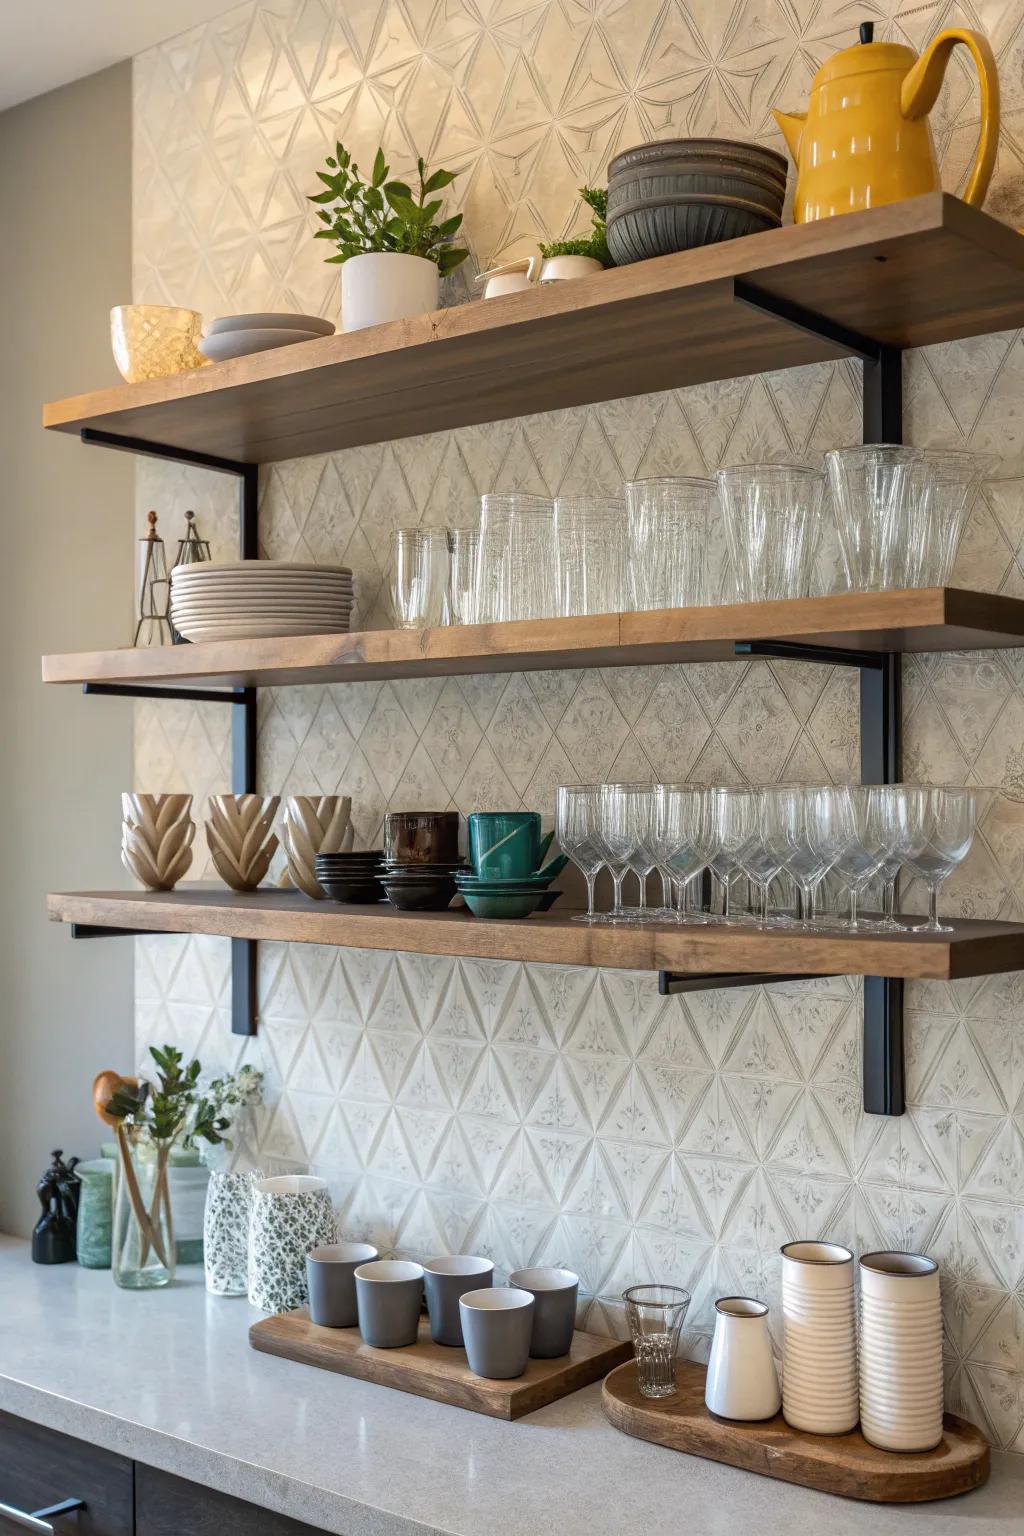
(485, 904)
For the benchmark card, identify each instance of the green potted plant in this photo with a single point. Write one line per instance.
(583, 254)
(393, 246)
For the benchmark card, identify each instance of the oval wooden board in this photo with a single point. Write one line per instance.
(843, 1464)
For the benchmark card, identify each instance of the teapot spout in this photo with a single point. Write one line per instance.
(792, 126)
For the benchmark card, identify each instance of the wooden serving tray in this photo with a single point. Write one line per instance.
(436, 1371)
(844, 1464)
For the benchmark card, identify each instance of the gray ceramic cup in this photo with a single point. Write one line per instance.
(389, 1297)
(496, 1325)
(331, 1280)
(554, 1317)
(445, 1281)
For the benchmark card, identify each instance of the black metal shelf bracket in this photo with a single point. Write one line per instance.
(244, 718)
(670, 983)
(881, 716)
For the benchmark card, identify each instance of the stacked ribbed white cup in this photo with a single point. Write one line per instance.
(901, 1394)
(819, 1380)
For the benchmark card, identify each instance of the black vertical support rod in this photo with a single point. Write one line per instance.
(881, 755)
(243, 767)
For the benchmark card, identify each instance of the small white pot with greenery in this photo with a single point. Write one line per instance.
(391, 247)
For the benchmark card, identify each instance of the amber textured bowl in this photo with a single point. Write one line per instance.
(150, 341)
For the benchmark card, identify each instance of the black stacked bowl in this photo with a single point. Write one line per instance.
(351, 877)
(678, 193)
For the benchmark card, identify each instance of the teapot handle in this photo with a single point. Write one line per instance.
(921, 86)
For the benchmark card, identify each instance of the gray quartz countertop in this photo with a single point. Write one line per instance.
(168, 1377)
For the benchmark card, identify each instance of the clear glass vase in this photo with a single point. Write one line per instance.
(142, 1240)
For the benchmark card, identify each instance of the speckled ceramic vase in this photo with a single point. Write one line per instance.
(226, 1232)
(291, 1215)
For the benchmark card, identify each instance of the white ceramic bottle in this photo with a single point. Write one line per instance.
(901, 1395)
(819, 1351)
(742, 1382)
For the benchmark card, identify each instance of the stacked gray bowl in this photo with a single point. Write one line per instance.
(679, 193)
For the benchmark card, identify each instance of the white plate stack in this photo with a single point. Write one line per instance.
(260, 599)
(239, 335)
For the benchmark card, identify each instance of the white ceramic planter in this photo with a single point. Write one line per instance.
(819, 1352)
(386, 285)
(901, 1389)
(291, 1215)
(742, 1382)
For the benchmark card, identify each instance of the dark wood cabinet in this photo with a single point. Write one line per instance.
(171, 1506)
(40, 1467)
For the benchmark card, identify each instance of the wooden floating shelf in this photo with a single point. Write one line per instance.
(438, 1371)
(843, 1464)
(926, 270)
(973, 949)
(926, 619)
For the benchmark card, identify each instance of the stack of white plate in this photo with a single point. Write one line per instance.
(260, 599)
(238, 335)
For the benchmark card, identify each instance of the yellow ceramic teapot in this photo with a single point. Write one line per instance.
(864, 138)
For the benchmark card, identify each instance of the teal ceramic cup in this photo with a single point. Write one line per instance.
(505, 845)
(95, 1208)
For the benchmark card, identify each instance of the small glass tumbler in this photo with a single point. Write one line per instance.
(494, 573)
(590, 539)
(773, 522)
(669, 525)
(462, 581)
(655, 1315)
(419, 576)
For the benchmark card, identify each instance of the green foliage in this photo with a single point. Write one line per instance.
(595, 244)
(383, 215)
(175, 1107)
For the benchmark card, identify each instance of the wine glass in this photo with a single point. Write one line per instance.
(618, 827)
(577, 809)
(684, 838)
(939, 831)
(736, 826)
(864, 848)
(806, 864)
(642, 861)
(760, 854)
(887, 804)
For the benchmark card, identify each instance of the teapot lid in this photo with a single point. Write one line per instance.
(865, 57)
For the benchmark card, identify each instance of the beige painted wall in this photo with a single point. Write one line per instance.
(65, 584)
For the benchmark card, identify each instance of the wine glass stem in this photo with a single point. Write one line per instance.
(933, 906)
(889, 898)
(666, 889)
(853, 906)
(617, 880)
(591, 880)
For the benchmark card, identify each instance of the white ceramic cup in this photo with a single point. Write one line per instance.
(901, 1383)
(742, 1382)
(819, 1362)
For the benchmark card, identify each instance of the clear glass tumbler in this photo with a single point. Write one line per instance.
(531, 585)
(462, 581)
(669, 523)
(870, 494)
(773, 523)
(497, 596)
(590, 540)
(942, 488)
(419, 576)
(655, 1316)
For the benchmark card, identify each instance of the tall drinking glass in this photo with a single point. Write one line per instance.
(655, 1316)
(462, 583)
(870, 494)
(669, 524)
(590, 537)
(419, 576)
(942, 488)
(531, 588)
(577, 817)
(494, 571)
(773, 522)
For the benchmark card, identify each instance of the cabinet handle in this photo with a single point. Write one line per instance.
(39, 1520)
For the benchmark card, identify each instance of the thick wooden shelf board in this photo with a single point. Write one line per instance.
(973, 949)
(927, 619)
(435, 1370)
(926, 270)
(842, 1464)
